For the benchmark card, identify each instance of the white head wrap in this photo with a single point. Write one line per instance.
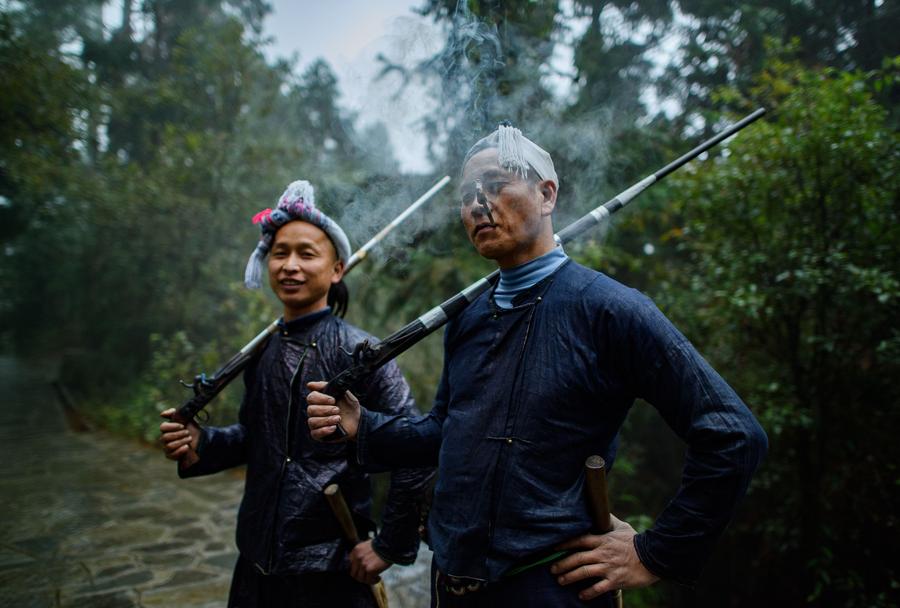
(516, 153)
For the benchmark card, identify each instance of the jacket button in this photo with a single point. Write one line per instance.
(288, 460)
(509, 440)
(313, 344)
(539, 298)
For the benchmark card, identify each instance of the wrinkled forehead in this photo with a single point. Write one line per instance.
(484, 165)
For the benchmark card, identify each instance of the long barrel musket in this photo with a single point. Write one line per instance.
(370, 357)
(207, 387)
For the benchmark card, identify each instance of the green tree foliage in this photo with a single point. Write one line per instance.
(611, 58)
(41, 114)
(130, 162)
(724, 43)
(793, 244)
(487, 70)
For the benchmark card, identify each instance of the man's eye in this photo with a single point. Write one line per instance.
(493, 188)
(466, 197)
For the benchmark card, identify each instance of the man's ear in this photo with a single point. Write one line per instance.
(547, 188)
(338, 272)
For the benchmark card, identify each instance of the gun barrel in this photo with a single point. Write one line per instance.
(363, 251)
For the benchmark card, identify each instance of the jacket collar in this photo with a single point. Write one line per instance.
(301, 324)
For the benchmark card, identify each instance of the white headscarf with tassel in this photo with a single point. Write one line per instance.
(516, 153)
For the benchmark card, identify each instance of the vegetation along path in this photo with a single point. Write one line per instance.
(91, 520)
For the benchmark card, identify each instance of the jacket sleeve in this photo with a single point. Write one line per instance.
(387, 440)
(725, 443)
(398, 539)
(222, 447)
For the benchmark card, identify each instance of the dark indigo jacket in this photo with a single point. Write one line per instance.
(284, 524)
(527, 394)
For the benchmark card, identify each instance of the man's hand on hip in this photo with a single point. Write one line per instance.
(324, 412)
(610, 557)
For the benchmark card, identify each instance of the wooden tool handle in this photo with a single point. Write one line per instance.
(341, 512)
(598, 504)
(598, 500)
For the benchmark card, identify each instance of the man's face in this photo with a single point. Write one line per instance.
(303, 265)
(520, 208)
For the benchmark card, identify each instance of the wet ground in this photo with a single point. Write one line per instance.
(94, 521)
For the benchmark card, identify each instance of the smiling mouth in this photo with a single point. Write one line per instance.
(291, 283)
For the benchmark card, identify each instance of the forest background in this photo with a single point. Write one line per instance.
(133, 155)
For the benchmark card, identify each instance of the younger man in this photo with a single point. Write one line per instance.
(291, 551)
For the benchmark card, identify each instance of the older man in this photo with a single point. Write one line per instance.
(538, 374)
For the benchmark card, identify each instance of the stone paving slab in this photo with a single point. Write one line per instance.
(95, 521)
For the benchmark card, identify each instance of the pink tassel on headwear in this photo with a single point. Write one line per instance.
(262, 216)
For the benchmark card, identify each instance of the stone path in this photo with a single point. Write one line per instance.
(93, 521)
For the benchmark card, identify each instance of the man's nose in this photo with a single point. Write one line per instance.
(477, 211)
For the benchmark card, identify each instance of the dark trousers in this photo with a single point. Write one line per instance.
(533, 588)
(252, 589)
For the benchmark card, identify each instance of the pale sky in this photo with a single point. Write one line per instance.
(349, 34)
